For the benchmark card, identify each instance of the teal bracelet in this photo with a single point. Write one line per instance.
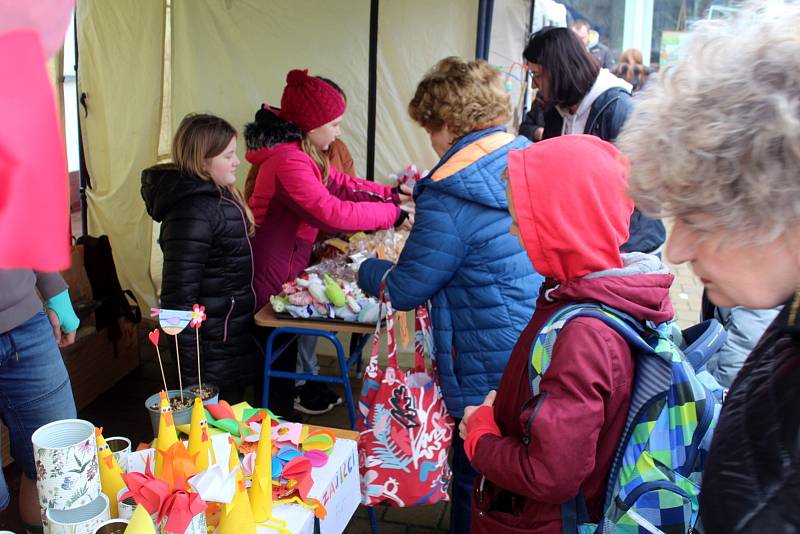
(62, 306)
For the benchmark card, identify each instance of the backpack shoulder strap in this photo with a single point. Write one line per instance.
(542, 351)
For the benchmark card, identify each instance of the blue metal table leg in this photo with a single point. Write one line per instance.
(348, 392)
(373, 520)
(270, 355)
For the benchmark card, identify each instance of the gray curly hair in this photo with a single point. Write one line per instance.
(718, 134)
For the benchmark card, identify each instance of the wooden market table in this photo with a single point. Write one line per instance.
(291, 328)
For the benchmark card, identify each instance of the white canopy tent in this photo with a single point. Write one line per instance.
(144, 64)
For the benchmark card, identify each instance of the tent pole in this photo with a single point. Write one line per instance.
(372, 100)
(82, 170)
(484, 32)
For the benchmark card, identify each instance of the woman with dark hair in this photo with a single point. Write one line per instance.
(579, 97)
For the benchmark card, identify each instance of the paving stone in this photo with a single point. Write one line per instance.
(361, 526)
(426, 516)
(424, 530)
(444, 524)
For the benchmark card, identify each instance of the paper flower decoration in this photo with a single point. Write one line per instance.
(319, 440)
(146, 489)
(198, 316)
(177, 468)
(287, 433)
(215, 484)
(297, 473)
(179, 509)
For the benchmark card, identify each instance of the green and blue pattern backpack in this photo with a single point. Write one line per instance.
(654, 480)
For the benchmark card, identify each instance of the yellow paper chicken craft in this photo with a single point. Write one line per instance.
(167, 435)
(110, 472)
(261, 489)
(237, 517)
(140, 523)
(200, 448)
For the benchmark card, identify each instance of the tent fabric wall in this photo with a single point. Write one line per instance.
(510, 30)
(412, 36)
(120, 70)
(229, 57)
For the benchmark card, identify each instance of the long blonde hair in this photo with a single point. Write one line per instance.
(317, 156)
(200, 137)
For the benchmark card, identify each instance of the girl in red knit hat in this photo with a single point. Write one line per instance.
(298, 193)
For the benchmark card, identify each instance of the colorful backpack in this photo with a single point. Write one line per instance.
(654, 480)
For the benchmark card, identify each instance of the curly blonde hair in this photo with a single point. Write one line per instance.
(464, 95)
(716, 140)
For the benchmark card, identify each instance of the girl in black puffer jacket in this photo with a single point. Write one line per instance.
(205, 229)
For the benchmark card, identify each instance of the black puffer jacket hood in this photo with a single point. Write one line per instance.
(207, 261)
(268, 130)
(164, 186)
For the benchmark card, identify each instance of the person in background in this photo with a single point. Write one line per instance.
(632, 69)
(459, 255)
(591, 40)
(532, 125)
(534, 453)
(34, 384)
(744, 327)
(582, 98)
(205, 238)
(717, 147)
(297, 193)
(338, 153)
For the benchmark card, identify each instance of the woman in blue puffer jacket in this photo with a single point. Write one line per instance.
(459, 257)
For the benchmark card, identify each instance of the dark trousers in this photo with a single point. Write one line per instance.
(281, 390)
(463, 478)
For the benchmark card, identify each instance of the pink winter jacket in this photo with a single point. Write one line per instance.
(291, 204)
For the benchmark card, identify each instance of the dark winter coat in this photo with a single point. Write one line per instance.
(208, 261)
(608, 114)
(752, 479)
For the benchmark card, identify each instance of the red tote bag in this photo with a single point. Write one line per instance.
(405, 430)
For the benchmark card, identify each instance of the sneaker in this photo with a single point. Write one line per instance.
(328, 394)
(309, 402)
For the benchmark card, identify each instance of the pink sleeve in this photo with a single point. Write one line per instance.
(300, 187)
(357, 189)
(561, 452)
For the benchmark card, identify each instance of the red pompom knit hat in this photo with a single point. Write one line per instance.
(309, 102)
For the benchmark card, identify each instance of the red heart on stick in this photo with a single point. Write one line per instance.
(154, 336)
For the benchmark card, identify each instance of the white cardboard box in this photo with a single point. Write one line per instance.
(336, 486)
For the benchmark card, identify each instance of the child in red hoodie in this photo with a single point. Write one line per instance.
(569, 209)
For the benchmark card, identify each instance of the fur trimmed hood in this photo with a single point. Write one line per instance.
(268, 130)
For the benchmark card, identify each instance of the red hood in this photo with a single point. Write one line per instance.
(640, 289)
(260, 155)
(572, 209)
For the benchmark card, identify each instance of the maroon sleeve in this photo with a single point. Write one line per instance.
(563, 435)
(304, 193)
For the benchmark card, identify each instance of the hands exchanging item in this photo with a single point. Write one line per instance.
(469, 410)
